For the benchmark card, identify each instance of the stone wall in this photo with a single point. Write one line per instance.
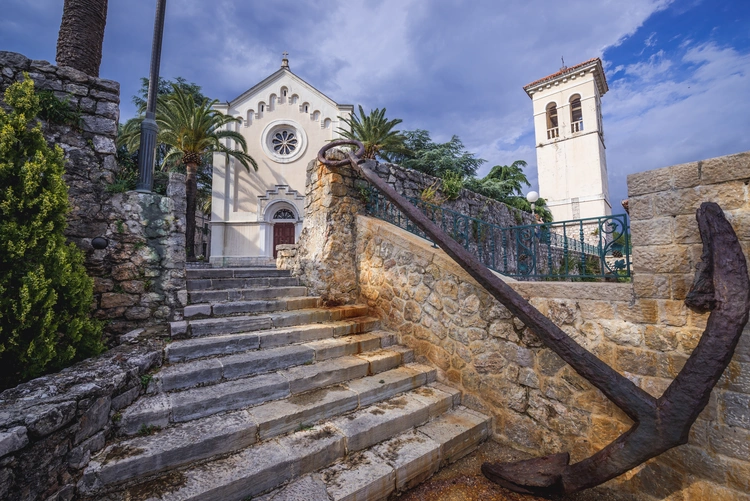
(50, 427)
(411, 183)
(146, 232)
(643, 330)
(325, 259)
(141, 279)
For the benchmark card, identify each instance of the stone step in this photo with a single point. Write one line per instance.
(225, 433)
(259, 271)
(264, 466)
(217, 326)
(163, 409)
(230, 308)
(202, 284)
(394, 466)
(217, 296)
(216, 369)
(191, 349)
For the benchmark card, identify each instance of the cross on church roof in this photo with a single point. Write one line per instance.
(285, 59)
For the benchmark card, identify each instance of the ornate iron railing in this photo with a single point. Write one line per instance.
(582, 249)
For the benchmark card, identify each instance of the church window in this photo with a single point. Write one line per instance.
(327, 123)
(283, 214)
(552, 128)
(262, 108)
(284, 142)
(316, 115)
(272, 103)
(576, 114)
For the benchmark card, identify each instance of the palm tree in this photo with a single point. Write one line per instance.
(192, 130)
(79, 41)
(375, 132)
(508, 178)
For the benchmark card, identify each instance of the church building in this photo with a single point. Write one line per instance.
(285, 122)
(569, 137)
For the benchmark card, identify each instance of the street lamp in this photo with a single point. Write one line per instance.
(532, 197)
(147, 147)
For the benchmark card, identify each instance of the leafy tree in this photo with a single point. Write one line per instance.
(81, 35)
(45, 294)
(436, 159)
(192, 130)
(375, 132)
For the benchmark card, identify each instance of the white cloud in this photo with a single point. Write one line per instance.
(695, 111)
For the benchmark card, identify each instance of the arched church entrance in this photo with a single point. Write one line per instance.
(284, 223)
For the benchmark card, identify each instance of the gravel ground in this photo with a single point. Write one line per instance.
(463, 481)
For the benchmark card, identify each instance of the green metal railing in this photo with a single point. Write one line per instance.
(581, 249)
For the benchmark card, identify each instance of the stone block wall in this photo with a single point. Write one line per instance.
(142, 271)
(642, 329)
(51, 426)
(411, 183)
(324, 258)
(139, 277)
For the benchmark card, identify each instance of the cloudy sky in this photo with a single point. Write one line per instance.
(678, 71)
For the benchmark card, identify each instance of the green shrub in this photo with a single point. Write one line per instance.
(57, 111)
(45, 294)
(453, 183)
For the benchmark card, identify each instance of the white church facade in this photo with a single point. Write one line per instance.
(569, 138)
(285, 122)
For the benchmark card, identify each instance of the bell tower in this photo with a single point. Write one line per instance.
(570, 151)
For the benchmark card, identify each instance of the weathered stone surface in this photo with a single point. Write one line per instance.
(49, 418)
(381, 421)
(308, 488)
(13, 439)
(458, 432)
(363, 475)
(261, 467)
(277, 418)
(93, 419)
(311, 377)
(413, 456)
(200, 402)
(178, 445)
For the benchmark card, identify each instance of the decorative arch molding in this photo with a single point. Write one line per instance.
(282, 194)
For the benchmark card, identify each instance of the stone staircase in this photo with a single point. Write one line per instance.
(268, 395)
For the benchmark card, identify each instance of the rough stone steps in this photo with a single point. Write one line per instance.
(254, 306)
(256, 271)
(264, 466)
(202, 284)
(394, 466)
(234, 366)
(332, 333)
(216, 296)
(229, 432)
(215, 326)
(163, 409)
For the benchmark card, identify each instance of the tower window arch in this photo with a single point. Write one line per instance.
(576, 114)
(552, 126)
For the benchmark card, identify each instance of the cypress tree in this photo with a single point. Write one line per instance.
(45, 294)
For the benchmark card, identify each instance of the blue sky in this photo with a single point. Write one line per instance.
(678, 71)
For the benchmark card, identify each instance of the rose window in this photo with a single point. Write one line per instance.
(284, 142)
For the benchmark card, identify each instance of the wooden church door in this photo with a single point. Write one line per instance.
(283, 233)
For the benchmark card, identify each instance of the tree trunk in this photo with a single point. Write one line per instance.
(191, 190)
(79, 42)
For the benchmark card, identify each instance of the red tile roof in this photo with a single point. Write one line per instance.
(571, 69)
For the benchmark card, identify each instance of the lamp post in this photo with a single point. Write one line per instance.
(532, 197)
(147, 148)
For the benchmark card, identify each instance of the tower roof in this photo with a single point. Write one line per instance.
(593, 65)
